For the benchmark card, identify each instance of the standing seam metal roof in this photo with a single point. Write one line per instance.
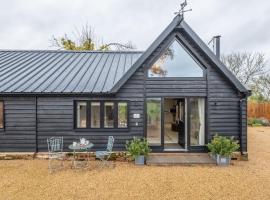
(45, 71)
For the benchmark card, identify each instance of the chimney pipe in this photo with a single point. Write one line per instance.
(217, 45)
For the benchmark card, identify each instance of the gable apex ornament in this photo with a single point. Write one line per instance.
(182, 10)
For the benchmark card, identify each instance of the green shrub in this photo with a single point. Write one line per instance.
(255, 122)
(138, 147)
(223, 146)
(264, 121)
(250, 121)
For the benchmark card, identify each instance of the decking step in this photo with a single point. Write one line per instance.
(179, 159)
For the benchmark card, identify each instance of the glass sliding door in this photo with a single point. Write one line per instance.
(197, 121)
(154, 121)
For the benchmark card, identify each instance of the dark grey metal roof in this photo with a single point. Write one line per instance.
(63, 71)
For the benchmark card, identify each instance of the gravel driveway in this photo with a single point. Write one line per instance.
(29, 179)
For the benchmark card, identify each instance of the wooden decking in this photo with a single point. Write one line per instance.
(179, 159)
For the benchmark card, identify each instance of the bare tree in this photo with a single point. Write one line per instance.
(261, 87)
(85, 39)
(245, 66)
(250, 69)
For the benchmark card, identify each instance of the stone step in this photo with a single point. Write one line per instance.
(180, 159)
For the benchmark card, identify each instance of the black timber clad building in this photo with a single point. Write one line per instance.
(177, 94)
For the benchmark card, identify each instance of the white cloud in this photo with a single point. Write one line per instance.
(29, 24)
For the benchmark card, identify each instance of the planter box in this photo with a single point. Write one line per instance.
(139, 160)
(223, 161)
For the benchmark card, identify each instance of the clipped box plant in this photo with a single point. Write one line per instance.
(139, 149)
(222, 148)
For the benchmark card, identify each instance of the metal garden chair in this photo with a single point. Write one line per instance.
(104, 156)
(55, 152)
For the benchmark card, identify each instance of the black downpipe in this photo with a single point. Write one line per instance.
(241, 125)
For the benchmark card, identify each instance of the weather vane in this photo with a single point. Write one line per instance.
(182, 10)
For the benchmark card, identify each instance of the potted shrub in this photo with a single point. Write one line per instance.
(139, 149)
(222, 148)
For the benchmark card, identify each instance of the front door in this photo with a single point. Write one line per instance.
(174, 124)
(166, 123)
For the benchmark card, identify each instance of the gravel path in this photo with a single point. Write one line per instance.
(29, 179)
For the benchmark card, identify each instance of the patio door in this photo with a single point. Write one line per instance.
(174, 121)
(175, 124)
(154, 125)
(166, 123)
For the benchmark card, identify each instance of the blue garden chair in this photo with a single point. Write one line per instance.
(104, 156)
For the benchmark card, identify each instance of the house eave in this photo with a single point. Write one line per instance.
(55, 94)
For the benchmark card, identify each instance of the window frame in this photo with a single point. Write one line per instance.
(3, 128)
(89, 114)
(115, 112)
(174, 37)
(102, 115)
(117, 117)
(76, 112)
(205, 122)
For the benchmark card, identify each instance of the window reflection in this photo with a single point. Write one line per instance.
(95, 114)
(154, 121)
(175, 62)
(197, 123)
(122, 115)
(81, 114)
(108, 115)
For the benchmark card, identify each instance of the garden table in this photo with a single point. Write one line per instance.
(78, 148)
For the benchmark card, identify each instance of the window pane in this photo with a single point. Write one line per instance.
(175, 62)
(154, 121)
(95, 115)
(122, 115)
(1, 114)
(81, 115)
(108, 115)
(197, 124)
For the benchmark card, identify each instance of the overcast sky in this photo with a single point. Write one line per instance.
(29, 24)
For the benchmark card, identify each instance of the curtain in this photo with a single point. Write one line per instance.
(201, 118)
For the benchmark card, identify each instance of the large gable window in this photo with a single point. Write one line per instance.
(175, 62)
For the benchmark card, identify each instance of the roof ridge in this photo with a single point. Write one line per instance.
(69, 51)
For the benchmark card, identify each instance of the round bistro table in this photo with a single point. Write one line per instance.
(79, 149)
